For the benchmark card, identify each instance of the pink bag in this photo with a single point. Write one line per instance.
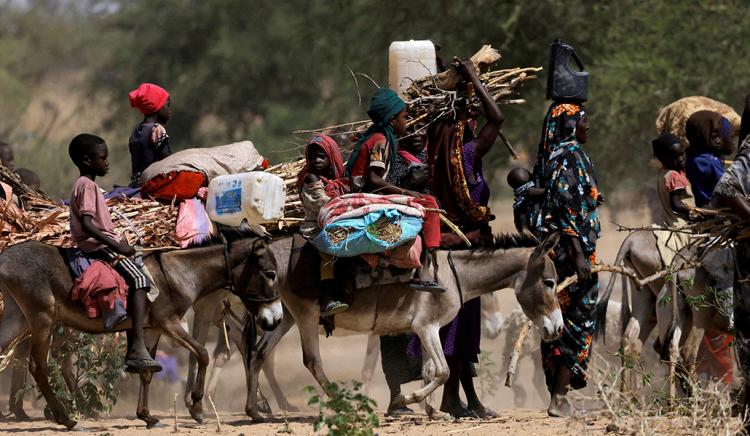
(404, 256)
(193, 225)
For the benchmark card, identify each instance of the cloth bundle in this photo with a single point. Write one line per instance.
(360, 204)
(358, 217)
(239, 157)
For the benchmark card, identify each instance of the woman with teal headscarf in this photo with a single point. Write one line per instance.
(371, 159)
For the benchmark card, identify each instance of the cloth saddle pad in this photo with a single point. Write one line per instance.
(304, 268)
(367, 276)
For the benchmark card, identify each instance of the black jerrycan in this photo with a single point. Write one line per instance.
(563, 83)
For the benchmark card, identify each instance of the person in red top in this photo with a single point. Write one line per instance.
(370, 162)
(92, 230)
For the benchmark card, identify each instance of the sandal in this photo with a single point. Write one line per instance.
(433, 287)
(333, 308)
(142, 365)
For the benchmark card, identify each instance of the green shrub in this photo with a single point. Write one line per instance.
(344, 411)
(98, 364)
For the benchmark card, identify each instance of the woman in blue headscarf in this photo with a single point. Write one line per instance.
(565, 171)
(371, 160)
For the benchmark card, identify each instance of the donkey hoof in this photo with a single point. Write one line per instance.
(264, 407)
(255, 416)
(197, 416)
(20, 415)
(291, 408)
(399, 401)
(150, 420)
(73, 425)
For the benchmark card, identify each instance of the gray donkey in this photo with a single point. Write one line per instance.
(36, 283)
(514, 262)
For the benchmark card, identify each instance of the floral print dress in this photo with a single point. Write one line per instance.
(570, 207)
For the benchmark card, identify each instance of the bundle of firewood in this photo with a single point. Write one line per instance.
(434, 96)
(141, 222)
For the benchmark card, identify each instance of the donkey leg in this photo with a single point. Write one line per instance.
(175, 330)
(269, 372)
(308, 330)
(264, 351)
(151, 338)
(436, 369)
(13, 329)
(40, 339)
(221, 356)
(204, 311)
(20, 366)
(66, 364)
(371, 359)
(674, 356)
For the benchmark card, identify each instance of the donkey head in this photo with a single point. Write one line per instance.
(537, 292)
(257, 286)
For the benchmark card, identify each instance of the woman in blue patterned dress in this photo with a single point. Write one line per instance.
(564, 169)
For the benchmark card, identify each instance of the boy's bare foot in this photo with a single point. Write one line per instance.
(559, 407)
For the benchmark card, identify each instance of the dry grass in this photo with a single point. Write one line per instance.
(383, 229)
(710, 410)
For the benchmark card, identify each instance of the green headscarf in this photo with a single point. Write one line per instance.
(384, 107)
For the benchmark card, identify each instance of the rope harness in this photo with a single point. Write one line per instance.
(455, 276)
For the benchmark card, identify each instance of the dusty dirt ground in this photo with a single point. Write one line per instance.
(521, 408)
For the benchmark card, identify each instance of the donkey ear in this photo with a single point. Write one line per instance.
(549, 243)
(259, 246)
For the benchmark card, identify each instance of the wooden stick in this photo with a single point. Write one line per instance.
(455, 229)
(175, 429)
(225, 333)
(218, 422)
(151, 250)
(507, 145)
(516, 354)
(640, 282)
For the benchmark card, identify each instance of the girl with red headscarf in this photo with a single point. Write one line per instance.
(149, 141)
(319, 181)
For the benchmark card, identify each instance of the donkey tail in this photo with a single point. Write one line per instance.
(600, 314)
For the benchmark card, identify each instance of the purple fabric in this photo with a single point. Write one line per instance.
(459, 338)
(117, 191)
(478, 187)
(120, 191)
(76, 260)
(169, 372)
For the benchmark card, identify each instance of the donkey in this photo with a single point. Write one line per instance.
(681, 325)
(37, 279)
(214, 309)
(640, 253)
(638, 310)
(517, 262)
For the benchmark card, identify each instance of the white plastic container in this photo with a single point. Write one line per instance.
(410, 60)
(257, 197)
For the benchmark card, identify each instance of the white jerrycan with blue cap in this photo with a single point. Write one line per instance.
(256, 197)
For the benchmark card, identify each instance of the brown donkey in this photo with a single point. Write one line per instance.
(36, 283)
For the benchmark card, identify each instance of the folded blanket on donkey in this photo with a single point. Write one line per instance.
(357, 224)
